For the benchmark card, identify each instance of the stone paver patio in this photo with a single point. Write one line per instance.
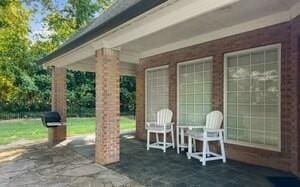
(71, 164)
(155, 168)
(38, 165)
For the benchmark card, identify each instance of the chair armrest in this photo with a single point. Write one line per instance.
(171, 124)
(199, 127)
(150, 123)
(213, 130)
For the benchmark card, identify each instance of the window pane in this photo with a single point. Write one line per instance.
(198, 91)
(231, 122)
(158, 92)
(231, 133)
(253, 90)
(244, 135)
(271, 55)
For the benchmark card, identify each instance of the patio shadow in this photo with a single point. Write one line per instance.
(155, 168)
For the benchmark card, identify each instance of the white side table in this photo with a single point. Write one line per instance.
(180, 128)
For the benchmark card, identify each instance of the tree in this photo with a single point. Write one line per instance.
(127, 94)
(14, 45)
(24, 84)
(64, 23)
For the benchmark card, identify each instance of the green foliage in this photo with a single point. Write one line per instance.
(25, 86)
(127, 94)
(14, 45)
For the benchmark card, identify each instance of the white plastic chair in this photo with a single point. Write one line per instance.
(212, 131)
(163, 125)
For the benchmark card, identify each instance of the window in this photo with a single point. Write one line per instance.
(252, 97)
(194, 91)
(157, 91)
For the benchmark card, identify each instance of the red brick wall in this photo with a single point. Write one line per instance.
(284, 34)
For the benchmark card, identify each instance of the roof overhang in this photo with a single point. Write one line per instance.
(128, 11)
(177, 24)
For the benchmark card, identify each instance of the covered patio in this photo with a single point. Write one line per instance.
(235, 56)
(155, 168)
(72, 164)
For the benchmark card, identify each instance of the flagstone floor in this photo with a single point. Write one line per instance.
(155, 168)
(72, 164)
(38, 165)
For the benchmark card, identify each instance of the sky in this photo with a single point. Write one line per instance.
(36, 22)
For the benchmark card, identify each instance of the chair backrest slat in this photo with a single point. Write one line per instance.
(164, 116)
(214, 120)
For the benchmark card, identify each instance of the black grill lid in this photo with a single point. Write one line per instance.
(50, 117)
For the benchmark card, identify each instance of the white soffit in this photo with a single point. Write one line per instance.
(168, 16)
(218, 24)
(170, 13)
(181, 23)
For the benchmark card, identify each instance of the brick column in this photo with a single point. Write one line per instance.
(140, 103)
(59, 104)
(107, 106)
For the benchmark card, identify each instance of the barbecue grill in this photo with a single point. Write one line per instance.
(51, 119)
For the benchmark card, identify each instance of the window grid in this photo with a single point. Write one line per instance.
(200, 72)
(157, 91)
(265, 105)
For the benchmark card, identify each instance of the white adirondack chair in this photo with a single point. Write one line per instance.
(163, 125)
(212, 131)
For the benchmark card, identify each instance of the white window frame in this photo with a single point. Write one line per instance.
(146, 86)
(247, 51)
(178, 89)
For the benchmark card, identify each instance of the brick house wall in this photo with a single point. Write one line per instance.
(287, 34)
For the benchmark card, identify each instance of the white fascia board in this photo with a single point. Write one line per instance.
(170, 15)
(72, 56)
(229, 31)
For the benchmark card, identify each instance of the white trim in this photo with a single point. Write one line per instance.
(167, 14)
(124, 31)
(194, 61)
(179, 12)
(222, 33)
(156, 68)
(200, 60)
(146, 86)
(247, 51)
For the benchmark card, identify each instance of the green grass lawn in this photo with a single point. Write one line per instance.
(32, 129)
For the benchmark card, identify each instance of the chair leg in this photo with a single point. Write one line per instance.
(194, 145)
(207, 149)
(148, 140)
(157, 138)
(177, 139)
(204, 148)
(182, 138)
(165, 139)
(173, 143)
(222, 150)
(189, 147)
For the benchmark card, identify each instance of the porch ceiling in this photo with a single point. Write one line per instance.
(178, 24)
(240, 12)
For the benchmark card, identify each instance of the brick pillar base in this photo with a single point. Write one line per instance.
(59, 104)
(57, 135)
(107, 107)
